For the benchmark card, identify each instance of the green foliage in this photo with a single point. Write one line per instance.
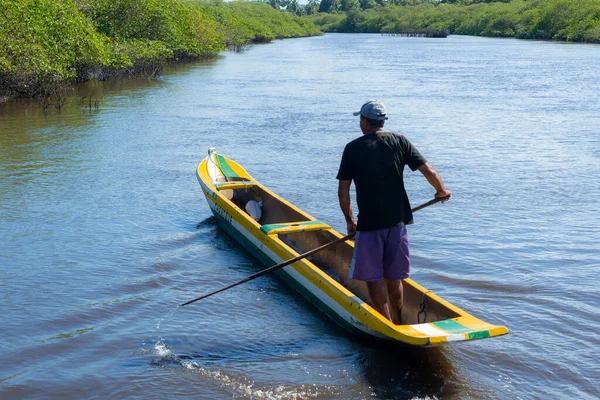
(329, 22)
(182, 28)
(330, 6)
(348, 5)
(43, 42)
(571, 20)
(237, 32)
(312, 7)
(47, 43)
(353, 20)
(270, 23)
(246, 22)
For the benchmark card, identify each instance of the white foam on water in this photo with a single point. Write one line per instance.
(162, 350)
(425, 398)
(157, 336)
(239, 385)
(191, 365)
(280, 392)
(243, 387)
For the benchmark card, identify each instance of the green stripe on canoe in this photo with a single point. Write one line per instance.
(450, 325)
(225, 168)
(269, 227)
(479, 335)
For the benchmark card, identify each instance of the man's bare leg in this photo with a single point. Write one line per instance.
(378, 295)
(395, 291)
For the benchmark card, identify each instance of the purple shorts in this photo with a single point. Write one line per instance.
(381, 254)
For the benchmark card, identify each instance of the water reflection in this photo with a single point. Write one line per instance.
(403, 372)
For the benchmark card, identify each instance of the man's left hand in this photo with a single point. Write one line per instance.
(351, 226)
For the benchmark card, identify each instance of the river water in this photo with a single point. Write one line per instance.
(104, 229)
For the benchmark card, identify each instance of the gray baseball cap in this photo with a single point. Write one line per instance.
(373, 109)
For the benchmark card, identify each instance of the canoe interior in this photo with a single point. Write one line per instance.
(334, 261)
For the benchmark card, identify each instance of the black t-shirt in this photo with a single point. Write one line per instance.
(376, 164)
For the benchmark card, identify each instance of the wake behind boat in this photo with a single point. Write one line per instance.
(274, 230)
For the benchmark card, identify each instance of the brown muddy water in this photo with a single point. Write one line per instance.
(104, 229)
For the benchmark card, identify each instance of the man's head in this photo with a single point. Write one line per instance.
(372, 116)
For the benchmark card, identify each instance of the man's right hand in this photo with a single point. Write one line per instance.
(435, 180)
(444, 194)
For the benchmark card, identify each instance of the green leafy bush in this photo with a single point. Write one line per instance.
(45, 42)
(246, 22)
(571, 20)
(181, 27)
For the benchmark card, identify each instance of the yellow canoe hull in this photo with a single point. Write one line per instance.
(285, 231)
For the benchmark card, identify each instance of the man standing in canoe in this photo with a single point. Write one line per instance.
(375, 161)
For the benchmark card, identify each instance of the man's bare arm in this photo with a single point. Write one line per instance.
(345, 205)
(435, 180)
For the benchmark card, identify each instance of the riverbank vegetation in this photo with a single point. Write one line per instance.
(568, 20)
(47, 44)
(242, 22)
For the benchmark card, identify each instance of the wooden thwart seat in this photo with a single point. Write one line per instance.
(235, 185)
(289, 227)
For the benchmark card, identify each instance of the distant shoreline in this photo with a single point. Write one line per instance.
(556, 20)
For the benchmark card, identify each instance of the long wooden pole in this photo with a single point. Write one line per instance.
(297, 258)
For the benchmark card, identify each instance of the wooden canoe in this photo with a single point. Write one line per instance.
(284, 231)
